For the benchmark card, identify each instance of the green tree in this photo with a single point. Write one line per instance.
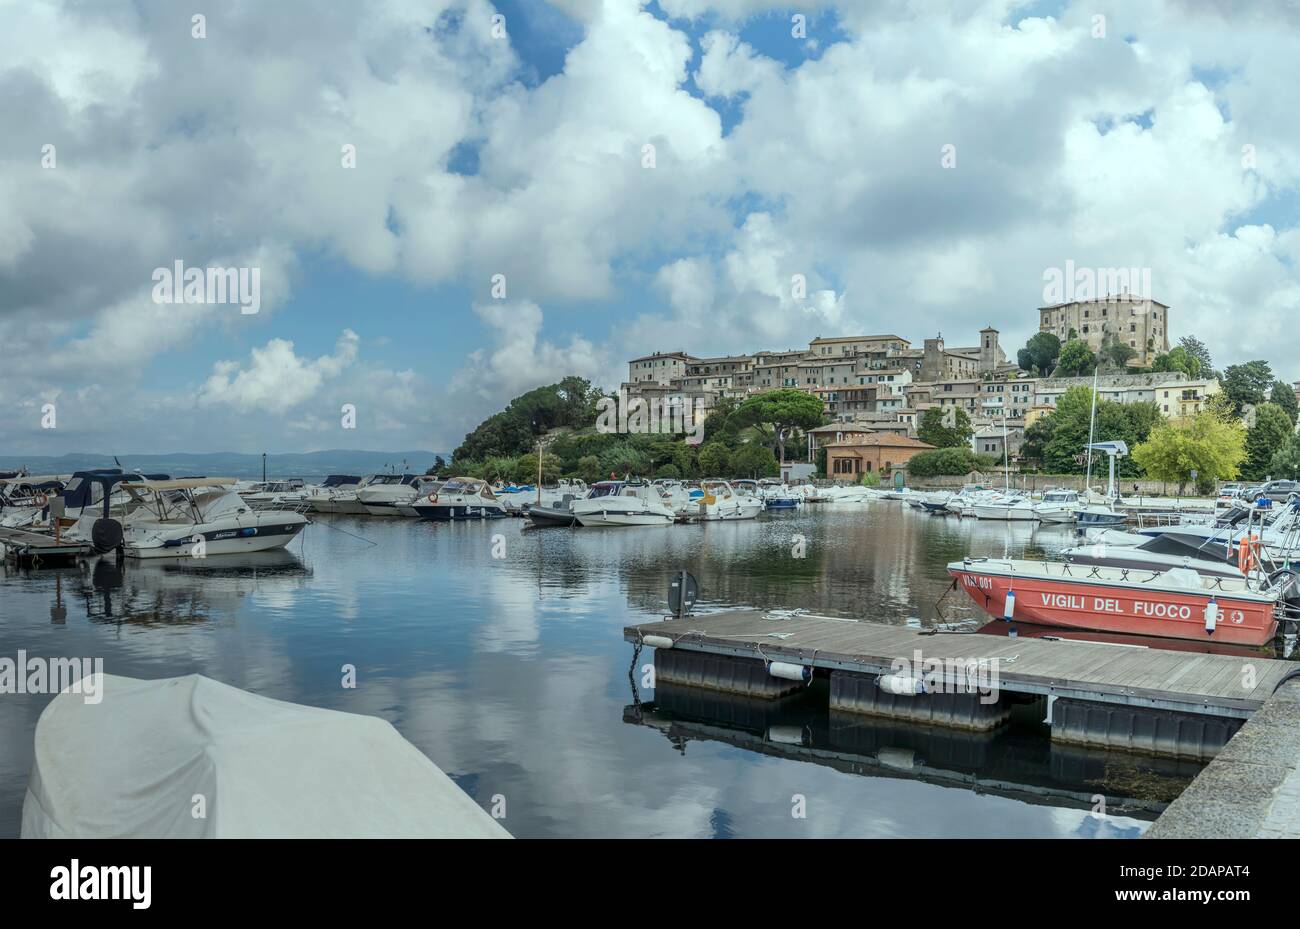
(784, 411)
(1247, 383)
(715, 459)
(1205, 443)
(933, 430)
(1272, 431)
(754, 461)
(624, 458)
(1196, 348)
(1058, 439)
(1039, 354)
(1114, 354)
(1178, 359)
(498, 468)
(1283, 396)
(1076, 360)
(1286, 463)
(669, 470)
(947, 461)
(589, 469)
(526, 469)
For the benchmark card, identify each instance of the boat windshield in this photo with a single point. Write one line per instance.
(605, 489)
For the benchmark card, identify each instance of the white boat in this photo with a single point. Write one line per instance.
(1014, 508)
(278, 495)
(187, 517)
(1058, 506)
(622, 503)
(720, 500)
(327, 496)
(133, 766)
(385, 494)
(460, 498)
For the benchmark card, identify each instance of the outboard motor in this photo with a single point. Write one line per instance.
(106, 535)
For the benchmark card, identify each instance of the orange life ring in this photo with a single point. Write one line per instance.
(1246, 554)
(41, 499)
(432, 497)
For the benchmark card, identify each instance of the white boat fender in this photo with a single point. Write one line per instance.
(657, 641)
(1009, 611)
(901, 684)
(1211, 616)
(787, 735)
(790, 672)
(900, 759)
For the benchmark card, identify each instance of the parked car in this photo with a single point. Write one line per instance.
(1279, 491)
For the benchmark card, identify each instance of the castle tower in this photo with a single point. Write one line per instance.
(989, 352)
(932, 368)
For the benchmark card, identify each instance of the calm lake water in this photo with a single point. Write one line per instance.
(512, 675)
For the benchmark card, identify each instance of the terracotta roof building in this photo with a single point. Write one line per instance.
(857, 453)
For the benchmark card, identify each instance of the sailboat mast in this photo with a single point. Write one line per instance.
(1092, 424)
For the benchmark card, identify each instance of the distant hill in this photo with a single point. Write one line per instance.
(306, 465)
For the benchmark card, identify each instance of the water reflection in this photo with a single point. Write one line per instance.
(1017, 761)
(511, 673)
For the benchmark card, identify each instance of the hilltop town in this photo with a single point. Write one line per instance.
(876, 388)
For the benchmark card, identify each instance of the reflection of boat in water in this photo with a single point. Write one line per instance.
(185, 590)
(1018, 760)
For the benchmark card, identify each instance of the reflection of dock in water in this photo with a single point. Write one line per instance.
(1018, 761)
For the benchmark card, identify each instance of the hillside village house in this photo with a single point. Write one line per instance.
(853, 454)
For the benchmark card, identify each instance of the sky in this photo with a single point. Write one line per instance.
(449, 202)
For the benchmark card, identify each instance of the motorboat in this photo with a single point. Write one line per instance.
(330, 493)
(460, 498)
(1013, 508)
(1099, 514)
(623, 503)
(963, 501)
(23, 497)
(1058, 506)
(278, 495)
(514, 497)
(779, 496)
(385, 494)
(720, 500)
(1154, 553)
(684, 500)
(194, 517)
(1176, 603)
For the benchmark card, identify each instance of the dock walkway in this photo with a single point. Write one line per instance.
(1186, 682)
(26, 547)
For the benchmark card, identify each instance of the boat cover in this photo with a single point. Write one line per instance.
(134, 764)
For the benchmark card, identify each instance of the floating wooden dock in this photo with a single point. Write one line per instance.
(1178, 703)
(36, 548)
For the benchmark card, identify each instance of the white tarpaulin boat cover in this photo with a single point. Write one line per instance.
(149, 755)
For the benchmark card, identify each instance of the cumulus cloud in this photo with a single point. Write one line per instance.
(276, 378)
(613, 179)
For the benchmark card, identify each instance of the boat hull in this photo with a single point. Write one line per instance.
(457, 511)
(617, 518)
(1004, 513)
(236, 541)
(1076, 603)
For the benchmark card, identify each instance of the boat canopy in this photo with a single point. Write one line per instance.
(180, 483)
(268, 768)
(337, 480)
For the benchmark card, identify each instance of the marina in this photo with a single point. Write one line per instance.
(846, 589)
